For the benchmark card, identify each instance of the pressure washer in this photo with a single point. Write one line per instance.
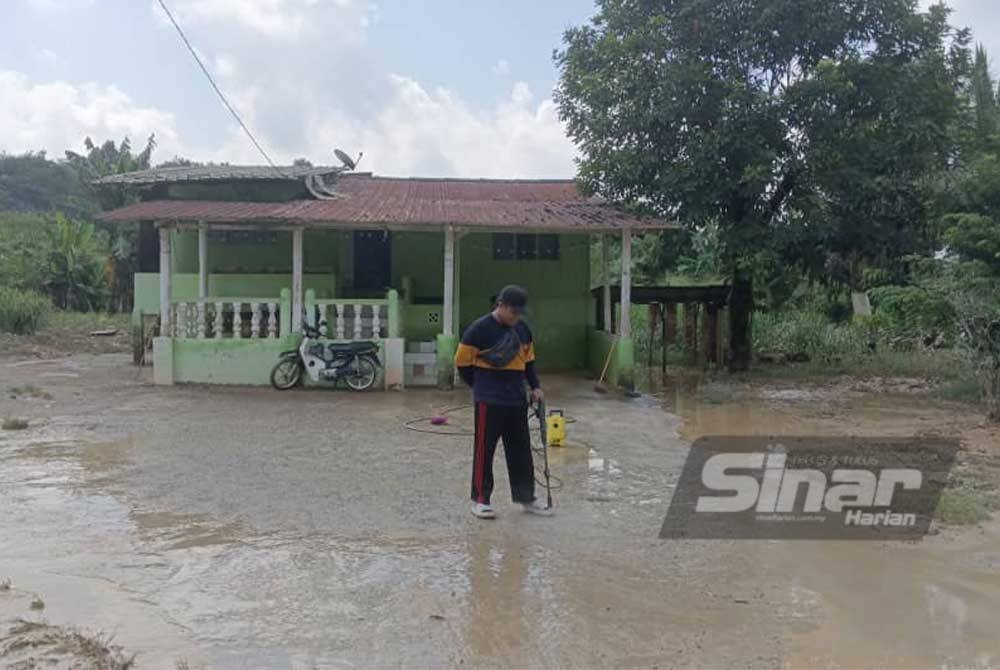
(543, 431)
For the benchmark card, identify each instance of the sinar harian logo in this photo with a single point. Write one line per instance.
(809, 487)
(777, 489)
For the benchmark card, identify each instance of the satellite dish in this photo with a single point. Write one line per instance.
(348, 162)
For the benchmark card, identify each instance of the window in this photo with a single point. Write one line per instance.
(527, 247)
(522, 247)
(548, 247)
(503, 246)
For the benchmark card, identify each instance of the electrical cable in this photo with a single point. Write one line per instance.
(217, 89)
(556, 483)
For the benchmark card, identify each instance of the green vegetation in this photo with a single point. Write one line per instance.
(14, 423)
(22, 312)
(48, 243)
(28, 391)
(810, 157)
(961, 506)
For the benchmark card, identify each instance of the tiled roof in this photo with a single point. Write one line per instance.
(203, 173)
(364, 200)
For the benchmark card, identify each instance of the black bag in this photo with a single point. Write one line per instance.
(504, 350)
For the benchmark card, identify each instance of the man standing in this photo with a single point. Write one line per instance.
(496, 358)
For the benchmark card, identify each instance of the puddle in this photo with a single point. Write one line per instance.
(244, 528)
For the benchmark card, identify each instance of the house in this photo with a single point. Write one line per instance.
(232, 259)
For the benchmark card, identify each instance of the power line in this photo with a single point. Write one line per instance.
(215, 86)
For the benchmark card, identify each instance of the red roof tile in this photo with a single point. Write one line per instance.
(381, 201)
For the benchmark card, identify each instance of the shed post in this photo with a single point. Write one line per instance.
(297, 280)
(712, 333)
(165, 282)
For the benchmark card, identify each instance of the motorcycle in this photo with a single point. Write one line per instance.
(356, 363)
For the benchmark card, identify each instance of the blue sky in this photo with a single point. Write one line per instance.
(440, 87)
(443, 87)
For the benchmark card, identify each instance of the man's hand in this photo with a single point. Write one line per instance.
(537, 395)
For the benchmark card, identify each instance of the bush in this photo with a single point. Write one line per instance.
(807, 332)
(22, 312)
(912, 312)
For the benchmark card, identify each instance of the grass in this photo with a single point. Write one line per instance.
(14, 423)
(64, 332)
(65, 647)
(28, 391)
(937, 365)
(963, 506)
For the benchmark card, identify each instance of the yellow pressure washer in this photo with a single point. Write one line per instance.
(556, 428)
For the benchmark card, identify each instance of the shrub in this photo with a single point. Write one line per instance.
(912, 312)
(808, 332)
(22, 312)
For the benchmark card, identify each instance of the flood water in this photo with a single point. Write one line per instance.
(237, 528)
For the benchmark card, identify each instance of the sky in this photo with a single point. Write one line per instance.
(422, 87)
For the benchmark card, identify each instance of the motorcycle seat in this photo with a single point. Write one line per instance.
(352, 346)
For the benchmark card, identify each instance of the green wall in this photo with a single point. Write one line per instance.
(419, 256)
(559, 290)
(320, 253)
(559, 312)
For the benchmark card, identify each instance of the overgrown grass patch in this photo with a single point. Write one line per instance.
(29, 391)
(22, 312)
(964, 506)
(14, 423)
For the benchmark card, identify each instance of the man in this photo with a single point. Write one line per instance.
(496, 358)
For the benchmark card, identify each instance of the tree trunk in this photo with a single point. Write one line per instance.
(740, 309)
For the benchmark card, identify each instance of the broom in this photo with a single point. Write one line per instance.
(599, 386)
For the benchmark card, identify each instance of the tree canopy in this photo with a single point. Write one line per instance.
(762, 116)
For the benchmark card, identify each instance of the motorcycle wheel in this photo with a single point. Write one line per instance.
(361, 376)
(286, 374)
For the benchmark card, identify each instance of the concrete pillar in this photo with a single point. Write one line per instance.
(202, 261)
(449, 281)
(609, 322)
(297, 280)
(165, 283)
(446, 341)
(625, 319)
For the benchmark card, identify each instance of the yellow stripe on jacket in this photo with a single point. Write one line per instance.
(467, 355)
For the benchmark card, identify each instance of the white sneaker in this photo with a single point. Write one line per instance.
(483, 511)
(536, 506)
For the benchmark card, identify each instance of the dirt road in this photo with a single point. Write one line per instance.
(237, 527)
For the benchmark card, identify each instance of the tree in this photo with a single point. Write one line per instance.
(31, 182)
(76, 273)
(693, 108)
(984, 97)
(100, 161)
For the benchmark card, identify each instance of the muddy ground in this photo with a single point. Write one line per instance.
(244, 527)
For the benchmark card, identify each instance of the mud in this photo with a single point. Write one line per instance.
(237, 527)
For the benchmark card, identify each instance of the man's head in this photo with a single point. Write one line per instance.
(511, 302)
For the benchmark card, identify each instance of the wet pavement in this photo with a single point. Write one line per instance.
(248, 528)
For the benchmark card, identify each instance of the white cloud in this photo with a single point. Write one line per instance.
(303, 88)
(276, 19)
(49, 58)
(57, 115)
(58, 5)
(328, 91)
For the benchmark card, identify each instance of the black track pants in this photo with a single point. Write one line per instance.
(510, 423)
